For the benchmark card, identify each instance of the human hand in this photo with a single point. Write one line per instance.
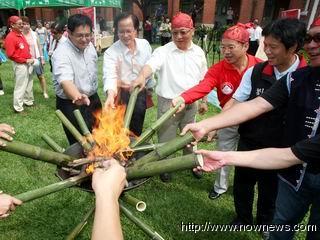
(5, 130)
(30, 61)
(109, 103)
(109, 181)
(140, 82)
(203, 108)
(81, 99)
(212, 135)
(7, 204)
(212, 160)
(176, 100)
(196, 129)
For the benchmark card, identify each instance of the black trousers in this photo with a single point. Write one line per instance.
(253, 47)
(139, 112)
(67, 107)
(245, 180)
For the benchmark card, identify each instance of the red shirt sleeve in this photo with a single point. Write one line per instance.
(204, 87)
(10, 46)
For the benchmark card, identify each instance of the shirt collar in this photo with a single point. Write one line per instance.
(175, 48)
(74, 47)
(292, 68)
(126, 50)
(251, 62)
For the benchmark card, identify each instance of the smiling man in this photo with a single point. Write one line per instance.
(18, 51)
(180, 65)
(122, 63)
(225, 76)
(75, 77)
(299, 186)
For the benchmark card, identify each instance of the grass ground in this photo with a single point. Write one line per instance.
(53, 217)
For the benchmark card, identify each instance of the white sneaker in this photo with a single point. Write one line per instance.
(45, 95)
(1, 92)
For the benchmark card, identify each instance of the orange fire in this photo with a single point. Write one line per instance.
(110, 135)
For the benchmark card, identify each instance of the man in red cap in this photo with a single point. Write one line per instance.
(299, 186)
(225, 76)
(180, 65)
(17, 50)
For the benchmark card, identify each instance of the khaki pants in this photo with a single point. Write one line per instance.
(22, 93)
(227, 141)
(169, 129)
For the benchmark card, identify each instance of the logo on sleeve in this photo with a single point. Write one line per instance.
(21, 45)
(227, 88)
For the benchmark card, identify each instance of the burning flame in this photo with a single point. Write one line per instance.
(110, 135)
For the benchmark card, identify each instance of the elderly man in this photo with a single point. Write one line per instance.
(121, 65)
(299, 186)
(18, 51)
(75, 73)
(225, 76)
(181, 65)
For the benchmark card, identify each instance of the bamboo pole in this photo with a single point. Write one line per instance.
(147, 134)
(144, 227)
(138, 204)
(54, 146)
(37, 153)
(165, 166)
(77, 135)
(148, 147)
(167, 149)
(130, 107)
(75, 232)
(83, 126)
(55, 187)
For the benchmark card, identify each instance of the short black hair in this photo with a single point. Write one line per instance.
(58, 27)
(289, 31)
(125, 15)
(77, 20)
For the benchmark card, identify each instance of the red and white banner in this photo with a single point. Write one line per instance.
(291, 13)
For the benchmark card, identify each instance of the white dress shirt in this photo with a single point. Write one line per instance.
(242, 94)
(71, 64)
(177, 70)
(119, 64)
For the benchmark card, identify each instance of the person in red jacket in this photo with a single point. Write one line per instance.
(225, 76)
(17, 50)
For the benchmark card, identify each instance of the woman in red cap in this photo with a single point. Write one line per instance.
(17, 50)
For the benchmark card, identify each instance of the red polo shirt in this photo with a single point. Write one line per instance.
(222, 76)
(17, 48)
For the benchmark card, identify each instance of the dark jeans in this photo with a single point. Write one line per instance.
(1, 84)
(245, 180)
(292, 206)
(139, 112)
(67, 107)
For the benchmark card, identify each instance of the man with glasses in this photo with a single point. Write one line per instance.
(180, 64)
(75, 73)
(122, 63)
(225, 76)
(18, 51)
(299, 186)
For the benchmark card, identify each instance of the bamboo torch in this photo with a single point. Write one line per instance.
(167, 149)
(55, 146)
(145, 136)
(151, 233)
(83, 126)
(130, 107)
(75, 232)
(138, 204)
(37, 153)
(77, 135)
(165, 166)
(55, 187)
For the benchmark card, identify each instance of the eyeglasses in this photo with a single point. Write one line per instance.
(308, 38)
(125, 31)
(82, 35)
(183, 33)
(229, 47)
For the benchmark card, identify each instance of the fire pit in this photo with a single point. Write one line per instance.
(76, 163)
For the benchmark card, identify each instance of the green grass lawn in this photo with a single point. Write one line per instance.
(185, 199)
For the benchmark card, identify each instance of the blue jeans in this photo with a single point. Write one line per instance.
(292, 206)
